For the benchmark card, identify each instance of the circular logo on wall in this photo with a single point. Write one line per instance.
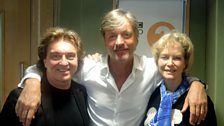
(157, 30)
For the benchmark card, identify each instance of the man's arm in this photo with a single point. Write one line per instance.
(197, 101)
(31, 72)
(29, 99)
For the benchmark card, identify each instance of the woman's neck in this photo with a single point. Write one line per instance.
(172, 84)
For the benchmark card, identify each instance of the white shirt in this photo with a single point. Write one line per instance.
(107, 106)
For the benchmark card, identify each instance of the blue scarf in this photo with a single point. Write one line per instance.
(163, 115)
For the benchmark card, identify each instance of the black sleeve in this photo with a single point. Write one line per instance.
(191, 79)
(8, 115)
(210, 119)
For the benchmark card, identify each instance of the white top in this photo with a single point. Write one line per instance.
(107, 106)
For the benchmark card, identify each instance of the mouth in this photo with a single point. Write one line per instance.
(170, 71)
(63, 70)
(120, 50)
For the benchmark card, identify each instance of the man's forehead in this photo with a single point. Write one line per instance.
(120, 29)
(55, 51)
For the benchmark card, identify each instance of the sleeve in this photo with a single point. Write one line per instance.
(8, 115)
(31, 72)
(191, 79)
(85, 66)
(210, 119)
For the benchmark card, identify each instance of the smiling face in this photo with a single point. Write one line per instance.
(121, 42)
(120, 32)
(61, 63)
(171, 62)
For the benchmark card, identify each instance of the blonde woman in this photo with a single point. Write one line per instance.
(173, 55)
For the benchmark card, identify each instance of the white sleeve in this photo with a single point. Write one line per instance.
(86, 65)
(31, 72)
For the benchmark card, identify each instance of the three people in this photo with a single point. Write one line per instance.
(173, 54)
(120, 84)
(63, 101)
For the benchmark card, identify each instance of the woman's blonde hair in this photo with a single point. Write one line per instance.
(173, 38)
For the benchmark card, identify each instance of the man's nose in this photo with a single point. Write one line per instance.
(64, 60)
(120, 40)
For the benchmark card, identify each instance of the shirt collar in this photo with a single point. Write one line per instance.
(138, 65)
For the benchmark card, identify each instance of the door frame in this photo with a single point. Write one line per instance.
(1, 55)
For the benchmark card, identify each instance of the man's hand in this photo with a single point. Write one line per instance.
(96, 57)
(197, 100)
(28, 101)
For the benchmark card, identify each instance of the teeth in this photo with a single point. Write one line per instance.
(171, 71)
(62, 70)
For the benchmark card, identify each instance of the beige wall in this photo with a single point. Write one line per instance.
(16, 43)
(24, 22)
(42, 17)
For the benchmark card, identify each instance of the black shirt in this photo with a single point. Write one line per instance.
(58, 107)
